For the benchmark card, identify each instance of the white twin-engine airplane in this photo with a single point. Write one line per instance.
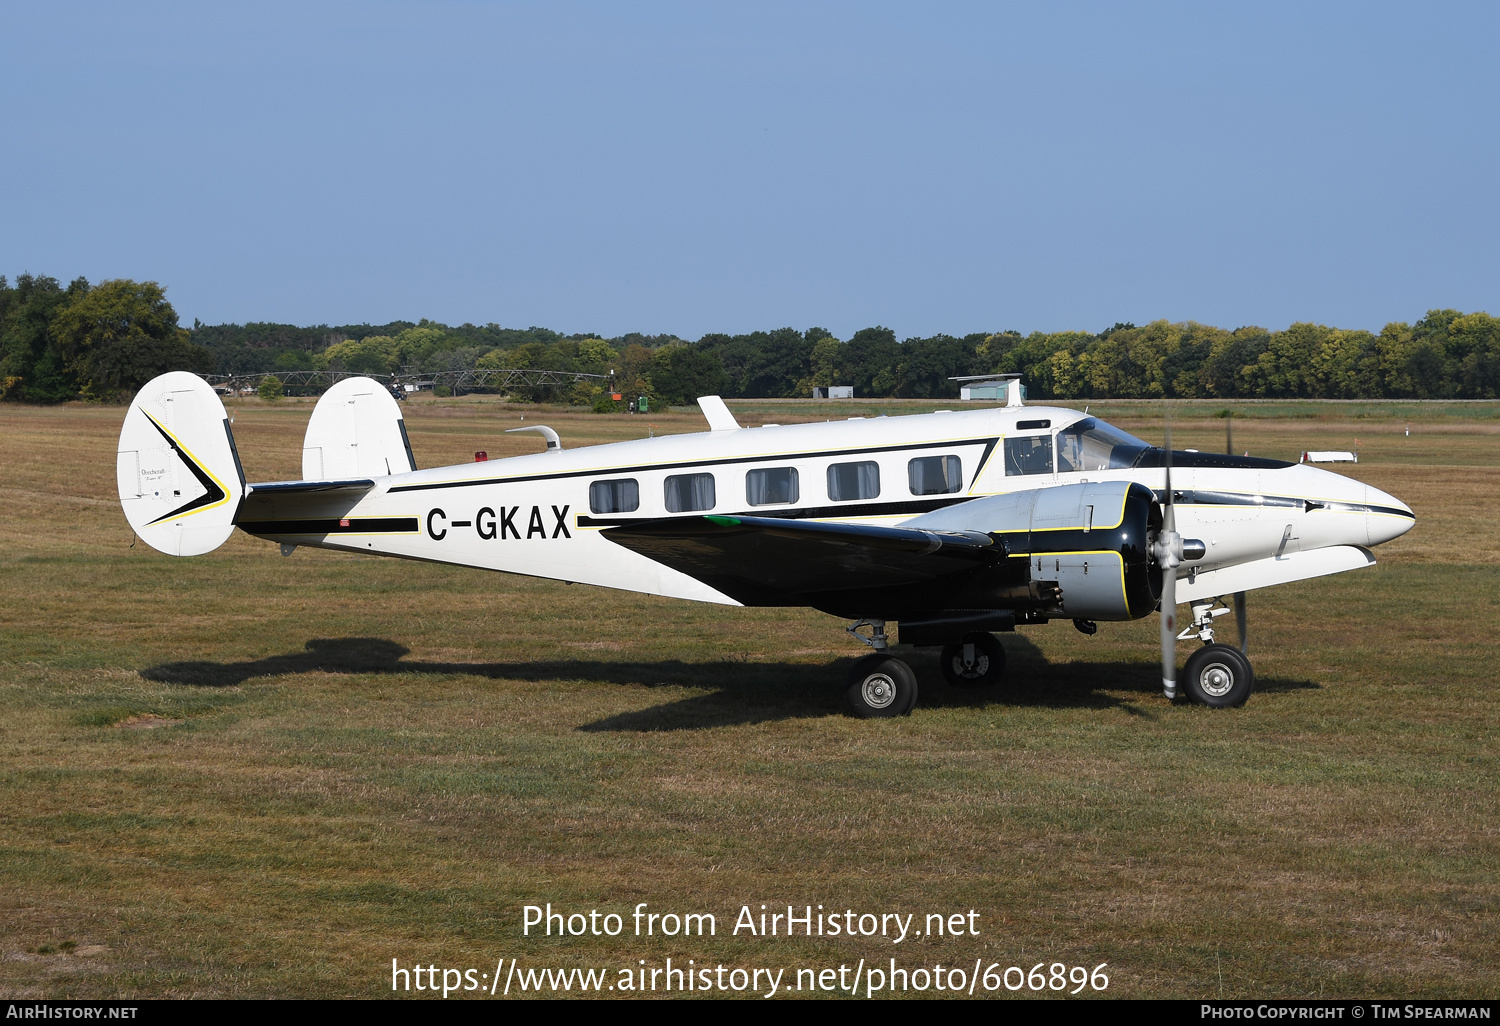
(955, 525)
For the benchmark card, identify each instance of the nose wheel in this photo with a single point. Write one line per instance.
(1218, 676)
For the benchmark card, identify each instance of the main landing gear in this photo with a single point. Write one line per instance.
(975, 662)
(880, 685)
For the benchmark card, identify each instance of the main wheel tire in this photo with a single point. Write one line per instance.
(1218, 676)
(986, 666)
(881, 686)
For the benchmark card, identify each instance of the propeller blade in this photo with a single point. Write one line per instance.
(1229, 435)
(1169, 631)
(1240, 620)
(1168, 556)
(1166, 511)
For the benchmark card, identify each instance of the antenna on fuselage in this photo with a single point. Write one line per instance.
(554, 442)
(717, 414)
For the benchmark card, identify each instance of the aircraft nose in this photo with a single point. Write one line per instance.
(1386, 517)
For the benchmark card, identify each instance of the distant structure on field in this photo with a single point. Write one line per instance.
(991, 388)
(833, 392)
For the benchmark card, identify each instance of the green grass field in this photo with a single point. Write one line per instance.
(249, 775)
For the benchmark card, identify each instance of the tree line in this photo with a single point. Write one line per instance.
(89, 341)
(103, 341)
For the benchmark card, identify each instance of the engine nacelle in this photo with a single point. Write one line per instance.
(1078, 550)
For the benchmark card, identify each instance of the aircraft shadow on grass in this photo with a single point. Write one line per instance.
(743, 692)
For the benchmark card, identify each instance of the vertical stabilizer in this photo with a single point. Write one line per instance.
(356, 431)
(177, 470)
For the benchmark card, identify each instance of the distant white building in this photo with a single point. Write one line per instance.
(833, 392)
(993, 388)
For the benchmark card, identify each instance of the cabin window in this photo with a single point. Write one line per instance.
(622, 496)
(935, 475)
(687, 493)
(1029, 454)
(847, 481)
(771, 486)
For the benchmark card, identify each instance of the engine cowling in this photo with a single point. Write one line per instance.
(1079, 550)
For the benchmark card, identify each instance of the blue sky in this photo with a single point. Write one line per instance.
(700, 167)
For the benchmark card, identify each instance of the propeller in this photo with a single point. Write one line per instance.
(1240, 621)
(1168, 553)
(1239, 596)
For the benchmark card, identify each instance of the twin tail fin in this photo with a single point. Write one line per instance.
(179, 475)
(176, 468)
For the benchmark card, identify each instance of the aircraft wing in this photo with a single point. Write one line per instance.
(765, 560)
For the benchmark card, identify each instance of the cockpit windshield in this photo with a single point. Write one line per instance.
(1091, 444)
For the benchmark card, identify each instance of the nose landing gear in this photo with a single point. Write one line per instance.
(1218, 675)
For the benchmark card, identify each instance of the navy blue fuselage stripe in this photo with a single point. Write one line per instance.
(1209, 497)
(332, 525)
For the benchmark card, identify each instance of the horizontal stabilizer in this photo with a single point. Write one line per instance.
(276, 509)
(757, 560)
(352, 488)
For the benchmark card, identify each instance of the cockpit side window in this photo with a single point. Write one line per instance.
(1028, 454)
(1090, 445)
